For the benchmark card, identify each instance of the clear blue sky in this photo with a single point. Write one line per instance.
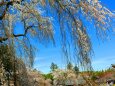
(104, 52)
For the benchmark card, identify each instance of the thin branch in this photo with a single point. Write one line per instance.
(18, 35)
(7, 6)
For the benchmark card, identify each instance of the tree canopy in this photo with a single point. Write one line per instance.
(53, 66)
(69, 66)
(38, 25)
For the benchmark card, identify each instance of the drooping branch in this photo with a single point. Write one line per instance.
(16, 35)
(3, 39)
(7, 6)
(26, 30)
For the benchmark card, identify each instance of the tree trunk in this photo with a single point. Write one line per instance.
(15, 81)
(8, 80)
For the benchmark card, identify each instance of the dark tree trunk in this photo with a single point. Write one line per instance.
(15, 77)
(8, 80)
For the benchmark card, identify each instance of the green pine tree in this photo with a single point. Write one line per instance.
(53, 66)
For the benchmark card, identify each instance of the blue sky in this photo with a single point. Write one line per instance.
(104, 51)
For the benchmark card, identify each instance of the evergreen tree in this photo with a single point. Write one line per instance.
(69, 66)
(53, 66)
(7, 61)
(76, 69)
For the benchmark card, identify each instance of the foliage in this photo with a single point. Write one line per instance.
(14, 67)
(34, 26)
(94, 77)
(37, 25)
(76, 69)
(69, 66)
(53, 66)
(38, 79)
(48, 76)
(7, 62)
(61, 77)
(6, 58)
